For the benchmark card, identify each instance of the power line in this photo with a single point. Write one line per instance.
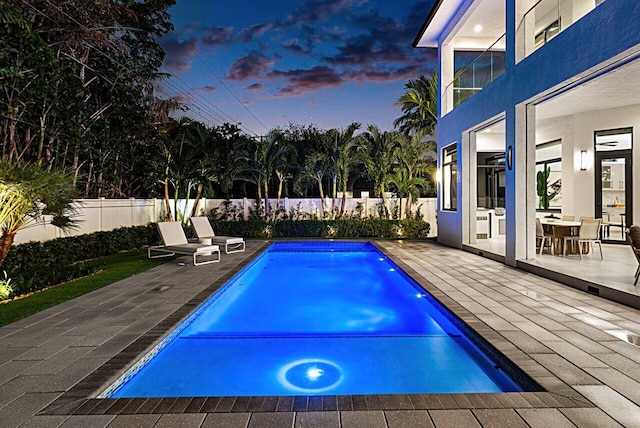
(228, 89)
(195, 102)
(206, 102)
(211, 108)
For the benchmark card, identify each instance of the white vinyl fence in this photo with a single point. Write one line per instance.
(96, 215)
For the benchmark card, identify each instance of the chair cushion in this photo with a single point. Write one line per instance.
(634, 234)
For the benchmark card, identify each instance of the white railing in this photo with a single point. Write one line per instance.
(97, 215)
(475, 76)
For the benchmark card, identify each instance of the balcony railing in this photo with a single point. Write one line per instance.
(546, 19)
(475, 76)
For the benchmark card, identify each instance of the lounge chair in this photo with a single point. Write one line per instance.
(205, 232)
(175, 242)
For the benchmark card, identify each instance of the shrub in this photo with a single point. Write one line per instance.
(345, 228)
(6, 290)
(35, 265)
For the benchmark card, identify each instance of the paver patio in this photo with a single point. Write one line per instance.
(53, 364)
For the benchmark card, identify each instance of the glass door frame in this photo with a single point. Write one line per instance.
(628, 191)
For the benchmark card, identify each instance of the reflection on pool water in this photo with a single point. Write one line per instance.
(320, 318)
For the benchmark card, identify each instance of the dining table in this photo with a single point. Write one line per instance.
(561, 228)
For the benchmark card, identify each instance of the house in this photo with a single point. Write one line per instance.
(539, 113)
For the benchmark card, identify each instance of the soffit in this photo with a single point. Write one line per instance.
(618, 88)
(489, 14)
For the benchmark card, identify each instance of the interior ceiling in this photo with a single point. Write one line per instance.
(618, 88)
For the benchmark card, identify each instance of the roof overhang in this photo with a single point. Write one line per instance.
(439, 17)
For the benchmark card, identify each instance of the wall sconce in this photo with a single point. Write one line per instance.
(583, 160)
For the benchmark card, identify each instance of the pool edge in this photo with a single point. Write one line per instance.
(80, 399)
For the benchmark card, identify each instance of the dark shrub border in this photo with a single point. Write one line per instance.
(346, 228)
(36, 265)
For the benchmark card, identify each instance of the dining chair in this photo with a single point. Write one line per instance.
(589, 233)
(542, 236)
(633, 238)
(568, 217)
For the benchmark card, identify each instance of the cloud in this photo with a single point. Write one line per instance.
(295, 47)
(363, 50)
(217, 36)
(178, 53)
(183, 98)
(250, 66)
(248, 34)
(384, 75)
(209, 89)
(314, 11)
(299, 82)
(254, 87)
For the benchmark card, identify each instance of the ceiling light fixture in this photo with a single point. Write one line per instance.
(477, 28)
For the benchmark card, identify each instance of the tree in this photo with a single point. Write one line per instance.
(342, 160)
(76, 83)
(263, 159)
(416, 158)
(378, 153)
(315, 168)
(29, 192)
(406, 186)
(304, 141)
(419, 105)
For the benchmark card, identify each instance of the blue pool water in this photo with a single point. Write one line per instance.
(319, 318)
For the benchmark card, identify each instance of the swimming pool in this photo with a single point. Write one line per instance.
(320, 318)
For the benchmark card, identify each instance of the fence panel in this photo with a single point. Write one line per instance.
(96, 215)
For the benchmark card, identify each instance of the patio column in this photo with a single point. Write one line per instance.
(517, 161)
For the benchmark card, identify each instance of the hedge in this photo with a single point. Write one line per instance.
(346, 228)
(35, 265)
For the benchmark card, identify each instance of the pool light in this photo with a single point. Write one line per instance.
(314, 373)
(310, 376)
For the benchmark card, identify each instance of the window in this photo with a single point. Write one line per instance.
(549, 184)
(450, 178)
(491, 180)
(474, 70)
(548, 33)
(549, 175)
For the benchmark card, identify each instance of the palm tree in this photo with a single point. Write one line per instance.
(315, 168)
(378, 153)
(342, 159)
(28, 192)
(419, 105)
(261, 165)
(407, 186)
(416, 156)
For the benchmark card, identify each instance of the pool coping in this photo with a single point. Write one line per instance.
(81, 398)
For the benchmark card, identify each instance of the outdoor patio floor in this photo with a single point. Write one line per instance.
(53, 364)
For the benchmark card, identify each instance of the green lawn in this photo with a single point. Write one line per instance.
(116, 267)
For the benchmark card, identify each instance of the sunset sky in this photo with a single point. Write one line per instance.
(267, 63)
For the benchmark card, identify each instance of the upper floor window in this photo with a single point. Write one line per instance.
(472, 71)
(547, 34)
